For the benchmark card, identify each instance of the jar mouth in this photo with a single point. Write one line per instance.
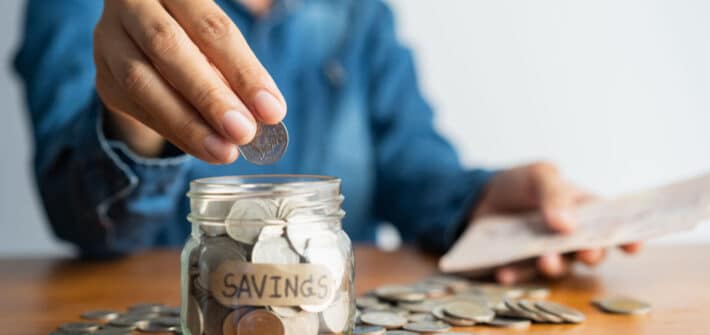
(261, 181)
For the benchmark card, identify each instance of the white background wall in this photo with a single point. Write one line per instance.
(614, 91)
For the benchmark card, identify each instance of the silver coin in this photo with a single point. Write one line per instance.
(100, 315)
(536, 292)
(268, 232)
(268, 145)
(421, 317)
(623, 305)
(438, 312)
(469, 310)
(155, 327)
(513, 309)
(129, 321)
(567, 313)
(113, 331)
(400, 332)
(321, 251)
(369, 330)
(304, 323)
(284, 311)
(545, 316)
(400, 293)
(168, 321)
(146, 307)
(384, 319)
(79, 327)
(504, 322)
(427, 327)
(215, 251)
(274, 250)
(368, 301)
(335, 318)
(244, 221)
(299, 234)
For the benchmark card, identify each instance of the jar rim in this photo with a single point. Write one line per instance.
(259, 181)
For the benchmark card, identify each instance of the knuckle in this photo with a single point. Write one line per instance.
(207, 99)
(245, 76)
(161, 38)
(134, 78)
(214, 27)
(189, 129)
(543, 168)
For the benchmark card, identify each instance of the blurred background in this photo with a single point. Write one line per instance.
(614, 91)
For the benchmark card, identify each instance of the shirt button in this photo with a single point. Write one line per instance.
(335, 72)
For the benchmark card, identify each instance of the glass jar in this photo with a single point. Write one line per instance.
(267, 255)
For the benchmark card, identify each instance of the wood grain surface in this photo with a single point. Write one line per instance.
(36, 295)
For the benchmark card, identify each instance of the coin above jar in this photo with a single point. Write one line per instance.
(268, 145)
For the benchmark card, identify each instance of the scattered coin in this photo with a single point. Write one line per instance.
(268, 145)
(129, 320)
(152, 307)
(471, 311)
(504, 322)
(623, 305)
(79, 327)
(100, 315)
(536, 292)
(420, 317)
(384, 319)
(567, 313)
(438, 312)
(544, 316)
(113, 331)
(400, 332)
(168, 321)
(369, 330)
(399, 293)
(154, 327)
(427, 327)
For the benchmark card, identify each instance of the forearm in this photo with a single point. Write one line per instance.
(102, 197)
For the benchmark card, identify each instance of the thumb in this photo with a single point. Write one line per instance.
(555, 198)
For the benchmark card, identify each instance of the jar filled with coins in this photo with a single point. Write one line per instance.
(267, 255)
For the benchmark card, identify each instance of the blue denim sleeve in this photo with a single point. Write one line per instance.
(96, 193)
(422, 187)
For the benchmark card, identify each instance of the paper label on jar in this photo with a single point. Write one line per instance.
(236, 283)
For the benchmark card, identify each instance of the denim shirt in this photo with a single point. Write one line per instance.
(355, 111)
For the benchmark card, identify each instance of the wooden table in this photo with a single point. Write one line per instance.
(36, 295)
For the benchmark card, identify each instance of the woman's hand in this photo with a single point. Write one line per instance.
(180, 70)
(539, 187)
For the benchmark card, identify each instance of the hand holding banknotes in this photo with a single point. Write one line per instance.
(539, 186)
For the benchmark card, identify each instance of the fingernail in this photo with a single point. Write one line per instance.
(239, 128)
(221, 150)
(268, 107)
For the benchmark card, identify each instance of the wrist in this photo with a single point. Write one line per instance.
(138, 137)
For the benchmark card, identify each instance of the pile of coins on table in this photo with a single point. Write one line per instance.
(270, 260)
(439, 303)
(148, 318)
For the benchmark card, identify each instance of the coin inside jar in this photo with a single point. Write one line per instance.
(260, 322)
